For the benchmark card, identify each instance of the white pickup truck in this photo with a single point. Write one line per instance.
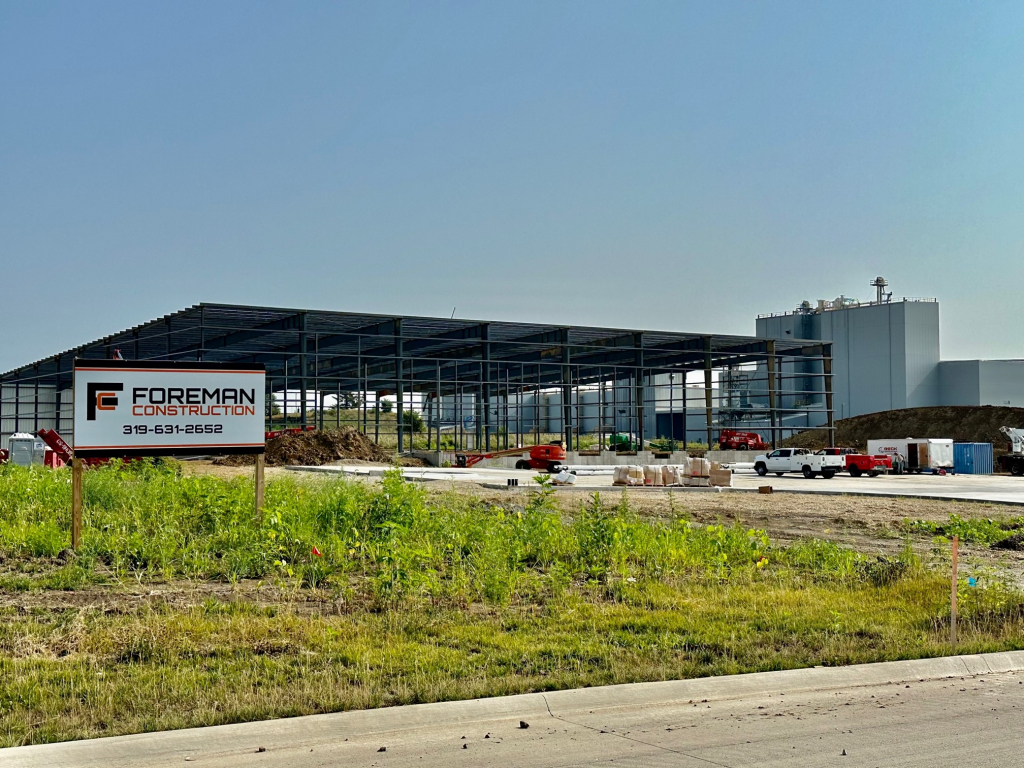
(798, 460)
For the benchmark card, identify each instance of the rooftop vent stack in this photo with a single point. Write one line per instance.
(880, 283)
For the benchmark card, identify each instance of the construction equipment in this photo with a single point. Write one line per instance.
(734, 440)
(546, 458)
(58, 453)
(1013, 462)
(620, 443)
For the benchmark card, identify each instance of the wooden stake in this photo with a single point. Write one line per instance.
(952, 597)
(76, 502)
(259, 484)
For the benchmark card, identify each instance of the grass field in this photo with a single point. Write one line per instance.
(182, 608)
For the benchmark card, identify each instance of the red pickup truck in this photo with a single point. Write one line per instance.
(858, 464)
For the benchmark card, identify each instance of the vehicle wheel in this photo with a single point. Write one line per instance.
(779, 474)
(874, 473)
(828, 474)
(522, 464)
(809, 473)
(761, 469)
(554, 467)
(742, 447)
(1017, 468)
(854, 471)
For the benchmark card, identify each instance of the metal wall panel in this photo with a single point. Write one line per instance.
(921, 351)
(1001, 382)
(959, 382)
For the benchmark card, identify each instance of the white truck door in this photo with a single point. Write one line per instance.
(778, 461)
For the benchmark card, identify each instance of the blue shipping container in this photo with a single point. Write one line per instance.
(973, 458)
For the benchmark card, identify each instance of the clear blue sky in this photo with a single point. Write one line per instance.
(655, 164)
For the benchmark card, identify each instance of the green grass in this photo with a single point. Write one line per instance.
(416, 597)
(980, 531)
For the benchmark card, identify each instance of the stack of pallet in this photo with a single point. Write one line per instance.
(692, 473)
(700, 473)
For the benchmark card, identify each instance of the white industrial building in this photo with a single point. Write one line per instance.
(886, 355)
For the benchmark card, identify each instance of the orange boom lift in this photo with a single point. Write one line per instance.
(546, 458)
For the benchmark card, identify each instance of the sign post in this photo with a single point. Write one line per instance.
(76, 502)
(259, 484)
(952, 595)
(134, 408)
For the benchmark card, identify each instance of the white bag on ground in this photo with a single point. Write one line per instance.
(565, 477)
(635, 475)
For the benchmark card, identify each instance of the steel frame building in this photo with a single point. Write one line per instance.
(480, 384)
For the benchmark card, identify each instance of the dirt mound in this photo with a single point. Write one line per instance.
(963, 423)
(316, 448)
(1015, 542)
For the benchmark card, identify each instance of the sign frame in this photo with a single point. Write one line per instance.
(163, 366)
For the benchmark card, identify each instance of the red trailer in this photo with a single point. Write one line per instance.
(858, 464)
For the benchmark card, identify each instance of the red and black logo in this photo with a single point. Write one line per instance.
(101, 397)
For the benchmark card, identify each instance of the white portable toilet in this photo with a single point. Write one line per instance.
(26, 449)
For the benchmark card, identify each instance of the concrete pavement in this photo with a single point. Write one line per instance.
(955, 711)
(999, 489)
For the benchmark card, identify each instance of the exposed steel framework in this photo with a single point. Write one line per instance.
(467, 383)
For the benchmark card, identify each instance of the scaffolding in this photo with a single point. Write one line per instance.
(418, 382)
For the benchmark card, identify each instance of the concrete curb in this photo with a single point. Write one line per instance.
(175, 746)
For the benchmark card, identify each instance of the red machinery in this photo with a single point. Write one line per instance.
(546, 458)
(734, 440)
(59, 453)
(4, 456)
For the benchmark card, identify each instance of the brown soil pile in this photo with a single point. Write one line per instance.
(963, 423)
(1015, 542)
(316, 448)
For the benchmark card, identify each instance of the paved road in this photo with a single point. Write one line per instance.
(996, 488)
(879, 715)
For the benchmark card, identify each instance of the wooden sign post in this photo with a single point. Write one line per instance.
(259, 484)
(952, 595)
(76, 503)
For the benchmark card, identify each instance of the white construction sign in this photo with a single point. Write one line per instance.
(143, 408)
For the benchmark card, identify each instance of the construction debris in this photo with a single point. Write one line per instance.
(316, 448)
